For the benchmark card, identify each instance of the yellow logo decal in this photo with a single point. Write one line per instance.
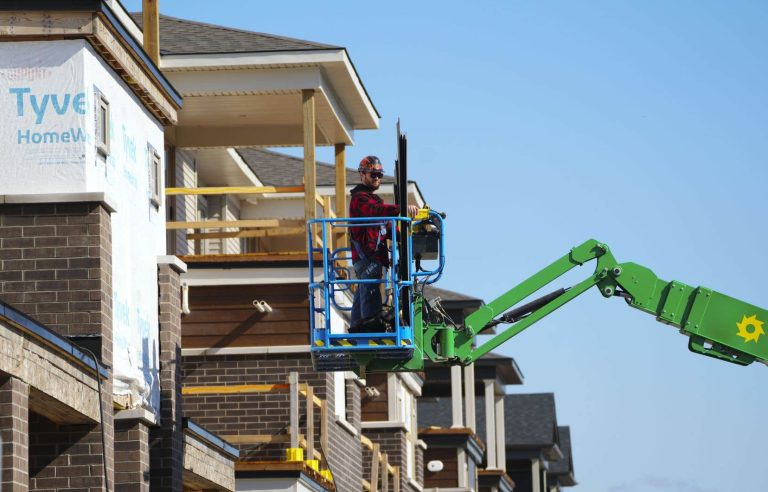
(754, 333)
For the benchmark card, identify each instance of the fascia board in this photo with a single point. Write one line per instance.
(326, 89)
(227, 61)
(247, 171)
(246, 276)
(127, 21)
(240, 81)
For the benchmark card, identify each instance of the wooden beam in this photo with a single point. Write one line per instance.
(384, 472)
(375, 468)
(315, 400)
(235, 389)
(217, 224)
(310, 177)
(255, 438)
(324, 426)
(341, 191)
(293, 381)
(310, 422)
(233, 190)
(396, 479)
(150, 12)
(286, 231)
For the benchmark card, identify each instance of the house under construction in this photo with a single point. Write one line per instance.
(154, 316)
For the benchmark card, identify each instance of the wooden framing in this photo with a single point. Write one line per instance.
(96, 28)
(150, 12)
(233, 190)
(341, 191)
(216, 224)
(310, 177)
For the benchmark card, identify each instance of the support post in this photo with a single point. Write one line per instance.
(151, 29)
(457, 418)
(461, 468)
(293, 381)
(384, 472)
(490, 426)
(469, 397)
(341, 192)
(501, 442)
(310, 423)
(375, 468)
(310, 177)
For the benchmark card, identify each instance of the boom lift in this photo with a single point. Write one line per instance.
(717, 325)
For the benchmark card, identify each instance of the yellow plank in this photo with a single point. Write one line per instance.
(233, 190)
(221, 224)
(315, 400)
(366, 442)
(284, 231)
(255, 438)
(231, 389)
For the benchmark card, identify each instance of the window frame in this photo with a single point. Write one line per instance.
(155, 164)
(102, 120)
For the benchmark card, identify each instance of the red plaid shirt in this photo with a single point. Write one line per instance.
(365, 203)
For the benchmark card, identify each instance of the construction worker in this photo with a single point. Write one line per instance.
(370, 255)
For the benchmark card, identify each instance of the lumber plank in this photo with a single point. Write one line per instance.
(217, 224)
(234, 190)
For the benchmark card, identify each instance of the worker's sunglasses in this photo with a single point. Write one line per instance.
(375, 174)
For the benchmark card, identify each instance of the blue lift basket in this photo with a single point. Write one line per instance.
(331, 284)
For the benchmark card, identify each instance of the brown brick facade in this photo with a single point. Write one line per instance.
(167, 444)
(268, 414)
(131, 456)
(393, 442)
(14, 431)
(56, 266)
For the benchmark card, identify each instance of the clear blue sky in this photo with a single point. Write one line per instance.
(536, 125)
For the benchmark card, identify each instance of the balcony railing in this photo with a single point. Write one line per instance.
(200, 231)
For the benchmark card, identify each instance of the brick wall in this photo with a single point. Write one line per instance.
(167, 452)
(394, 443)
(131, 456)
(14, 431)
(56, 266)
(259, 413)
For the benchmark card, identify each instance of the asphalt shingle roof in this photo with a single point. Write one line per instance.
(185, 37)
(276, 169)
(530, 419)
(430, 292)
(565, 465)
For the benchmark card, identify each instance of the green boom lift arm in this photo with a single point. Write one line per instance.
(717, 325)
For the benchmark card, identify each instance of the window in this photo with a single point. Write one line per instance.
(155, 176)
(340, 394)
(102, 123)
(406, 413)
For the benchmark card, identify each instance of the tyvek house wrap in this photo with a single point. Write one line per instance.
(48, 98)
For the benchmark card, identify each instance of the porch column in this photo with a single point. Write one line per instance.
(310, 178)
(469, 397)
(536, 476)
(341, 192)
(457, 418)
(490, 424)
(14, 430)
(501, 438)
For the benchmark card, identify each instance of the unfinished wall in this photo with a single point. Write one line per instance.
(224, 316)
(268, 414)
